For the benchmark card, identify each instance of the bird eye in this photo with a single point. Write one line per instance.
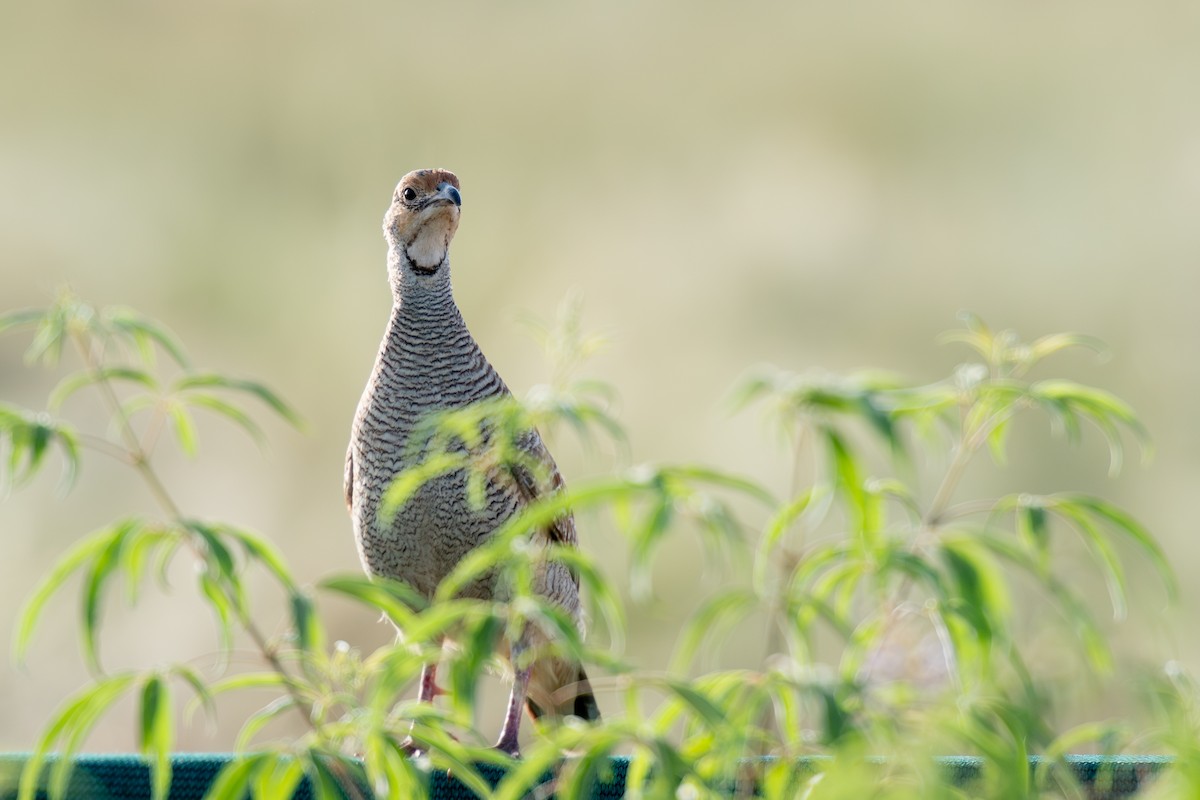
(409, 194)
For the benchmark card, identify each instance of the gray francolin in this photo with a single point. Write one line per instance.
(428, 362)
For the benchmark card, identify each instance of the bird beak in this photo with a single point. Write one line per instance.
(448, 192)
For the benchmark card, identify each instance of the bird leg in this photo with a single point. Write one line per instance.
(429, 690)
(516, 701)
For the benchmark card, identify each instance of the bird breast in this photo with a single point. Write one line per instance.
(420, 371)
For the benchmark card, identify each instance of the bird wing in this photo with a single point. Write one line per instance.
(561, 530)
(348, 479)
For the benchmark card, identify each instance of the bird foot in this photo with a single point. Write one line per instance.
(509, 746)
(411, 749)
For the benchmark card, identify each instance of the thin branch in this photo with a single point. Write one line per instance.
(954, 473)
(108, 448)
(134, 446)
(153, 430)
(138, 457)
(967, 509)
(970, 444)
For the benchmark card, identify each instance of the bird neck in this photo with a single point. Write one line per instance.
(410, 281)
(422, 303)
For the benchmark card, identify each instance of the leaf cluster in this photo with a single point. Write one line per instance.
(889, 600)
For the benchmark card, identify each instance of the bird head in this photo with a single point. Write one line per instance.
(422, 218)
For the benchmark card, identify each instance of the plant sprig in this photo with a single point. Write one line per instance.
(877, 555)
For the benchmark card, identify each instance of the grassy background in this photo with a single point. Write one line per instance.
(821, 187)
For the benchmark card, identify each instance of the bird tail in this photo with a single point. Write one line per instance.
(562, 690)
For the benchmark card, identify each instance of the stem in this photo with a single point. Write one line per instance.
(775, 621)
(153, 428)
(954, 473)
(797, 458)
(133, 445)
(140, 460)
(775, 605)
(971, 442)
(102, 445)
(940, 509)
(966, 509)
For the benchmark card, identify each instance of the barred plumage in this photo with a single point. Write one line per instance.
(429, 362)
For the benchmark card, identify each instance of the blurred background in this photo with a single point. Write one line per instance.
(817, 186)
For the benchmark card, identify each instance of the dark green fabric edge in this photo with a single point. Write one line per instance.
(126, 777)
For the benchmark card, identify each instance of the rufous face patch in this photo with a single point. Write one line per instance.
(423, 216)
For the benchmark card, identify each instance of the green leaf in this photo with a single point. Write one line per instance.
(256, 721)
(332, 775)
(1127, 525)
(84, 551)
(144, 332)
(258, 390)
(262, 550)
(39, 440)
(977, 336)
(278, 780)
(1066, 399)
(768, 544)
(217, 557)
(69, 725)
(639, 772)
(873, 410)
(227, 410)
(980, 599)
(559, 628)
(106, 561)
(78, 380)
(1032, 529)
(29, 437)
(1056, 342)
(593, 765)
(22, 318)
(524, 778)
(137, 550)
(913, 566)
(395, 599)
(233, 782)
(849, 484)
(599, 588)
(469, 664)
(152, 691)
(249, 680)
(715, 618)
(646, 538)
(204, 697)
(181, 423)
(997, 439)
(219, 581)
(898, 491)
(1106, 556)
(389, 773)
(310, 634)
(1078, 614)
(221, 606)
(157, 733)
(47, 344)
(719, 478)
(408, 482)
(445, 617)
(1080, 739)
(166, 554)
(714, 717)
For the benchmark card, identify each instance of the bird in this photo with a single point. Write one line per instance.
(429, 363)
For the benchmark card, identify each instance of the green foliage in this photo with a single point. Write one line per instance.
(890, 607)
(28, 437)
